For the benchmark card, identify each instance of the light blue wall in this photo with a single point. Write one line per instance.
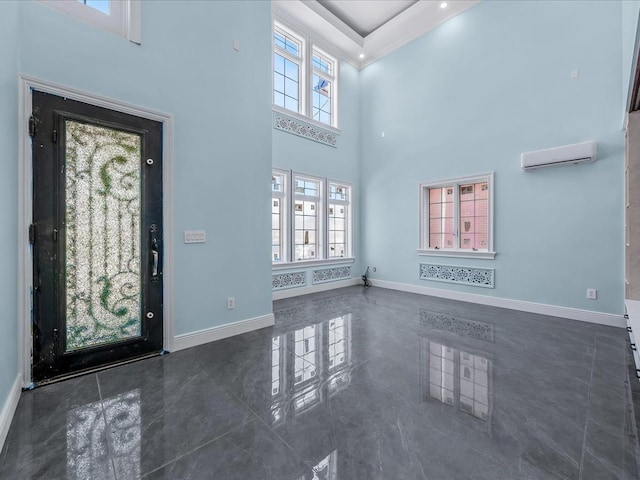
(291, 152)
(630, 10)
(8, 197)
(468, 98)
(221, 101)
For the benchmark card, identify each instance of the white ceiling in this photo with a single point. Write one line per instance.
(363, 31)
(365, 16)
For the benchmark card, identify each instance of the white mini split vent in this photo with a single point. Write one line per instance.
(555, 157)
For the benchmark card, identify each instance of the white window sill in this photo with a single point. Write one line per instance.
(312, 263)
(457, 254)
(304, 118)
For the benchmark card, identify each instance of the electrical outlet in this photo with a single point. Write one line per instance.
(592, 293)
(194, 236)
(231, 303)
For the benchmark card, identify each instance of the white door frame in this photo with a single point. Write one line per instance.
(25, 207)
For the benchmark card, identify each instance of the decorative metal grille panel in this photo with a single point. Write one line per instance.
(303, 129)
(459, 326)
(478, 277)
(288, 280)
(331, 274)
(102, 235)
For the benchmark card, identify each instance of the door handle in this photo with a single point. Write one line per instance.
(155, 254)
(154, 267)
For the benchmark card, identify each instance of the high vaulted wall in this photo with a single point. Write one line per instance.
(468, 98)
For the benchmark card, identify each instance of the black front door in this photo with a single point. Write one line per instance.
(97, 237)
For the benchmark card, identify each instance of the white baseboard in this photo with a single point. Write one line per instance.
(9, 408)
(321, 287)
(212, 334)
(601, 318)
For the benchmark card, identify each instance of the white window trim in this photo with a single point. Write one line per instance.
(306, 68)
(125, 18)
(311, 263)
(423, 249)
(284, 212)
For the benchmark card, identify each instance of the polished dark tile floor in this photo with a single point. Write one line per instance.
(351, 384)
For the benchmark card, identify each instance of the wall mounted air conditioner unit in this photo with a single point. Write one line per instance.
(566, 155)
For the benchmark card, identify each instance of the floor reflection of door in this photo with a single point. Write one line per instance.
(97, 236)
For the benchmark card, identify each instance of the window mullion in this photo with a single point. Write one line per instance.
(287, 55)
(323, 74)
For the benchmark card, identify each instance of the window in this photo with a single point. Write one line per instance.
(307, 215)
(287, 66)
(456, 217)
(304, 76)
(311, 221)
(322, 82)
(278, 214)
(122, 17)
(338, 220)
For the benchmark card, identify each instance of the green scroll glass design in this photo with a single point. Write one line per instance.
(102, 180)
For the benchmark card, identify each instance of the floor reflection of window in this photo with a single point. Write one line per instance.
(339, 353)
(278, 365)
(337, 341)
(441, 373)
(318, 368)
(474, 385)
(275, 366)
(306, 398)
(305, 345)
(456, 378)
(326, 469)
(85, 437)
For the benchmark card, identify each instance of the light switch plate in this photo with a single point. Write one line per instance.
(194, 236)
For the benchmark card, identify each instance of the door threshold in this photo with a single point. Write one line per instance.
(88, 371)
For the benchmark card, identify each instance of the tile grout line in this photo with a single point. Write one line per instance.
(586, 421)
(261, 420)
(208, 442)
(268, 427)
(275, 433)
(106, 429)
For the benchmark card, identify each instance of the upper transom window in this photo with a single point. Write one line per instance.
(304, 76)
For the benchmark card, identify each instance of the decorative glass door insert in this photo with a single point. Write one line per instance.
(102, 177)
